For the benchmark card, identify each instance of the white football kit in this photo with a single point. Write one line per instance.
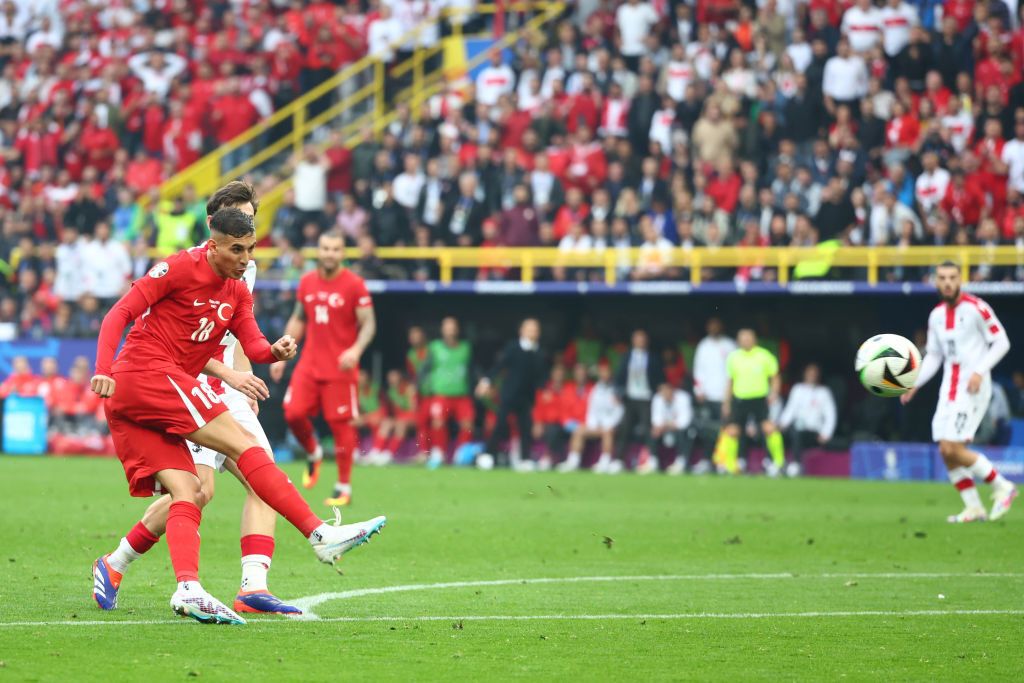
(965, 339)
(236, 402)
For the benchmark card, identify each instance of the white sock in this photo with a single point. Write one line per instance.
(604, 459)
(123, 556)
(343, 488)
(254, 572)
(573, 458)
(190, 587)
(961, 477)
(983, 468)
(317, 454)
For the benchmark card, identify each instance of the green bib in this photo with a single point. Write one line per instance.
(449, 369)
(369, 402)
(399, 398)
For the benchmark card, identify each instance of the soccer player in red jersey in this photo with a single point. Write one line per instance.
(334, 313)
(182, 309)
(233, 369)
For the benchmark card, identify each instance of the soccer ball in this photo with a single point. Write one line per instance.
(887, 364)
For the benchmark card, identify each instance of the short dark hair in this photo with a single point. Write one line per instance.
(950, 264)
(235, 193)
(232, 222)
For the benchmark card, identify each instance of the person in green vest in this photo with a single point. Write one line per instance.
(445, 378)
(174, 227)
(753, 383)
(372, 416)
(415, 359)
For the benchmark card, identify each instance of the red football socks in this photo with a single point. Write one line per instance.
(276, 490)
(302, 428)
(183, 539)
(140, 538)
(346, 440)
(257, 544)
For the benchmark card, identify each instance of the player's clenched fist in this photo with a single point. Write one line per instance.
(349, 359)
(284, 348)
(103, 385)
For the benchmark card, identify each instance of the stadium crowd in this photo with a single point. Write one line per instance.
(629, 124)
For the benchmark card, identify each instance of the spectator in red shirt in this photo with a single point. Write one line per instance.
(182, 139)
(37, 144)
(231, 115)
(339, 176)
(51, 385)
(21, 381)
(98, 144)
(575, 210)
(724, 188)
(549, 417)
(143, 173)
(964, 201)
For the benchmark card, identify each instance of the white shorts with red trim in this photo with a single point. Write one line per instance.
(959, 413)
(238, 406)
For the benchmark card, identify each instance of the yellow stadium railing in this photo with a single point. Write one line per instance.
(366, 97)
(611, 261)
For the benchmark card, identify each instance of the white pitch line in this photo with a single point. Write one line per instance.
(553, 617)
(307, 603)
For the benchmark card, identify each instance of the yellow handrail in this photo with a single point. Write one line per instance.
(205, 174)
(527, 260)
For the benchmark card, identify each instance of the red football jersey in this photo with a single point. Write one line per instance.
(331, 324)
(190, 308)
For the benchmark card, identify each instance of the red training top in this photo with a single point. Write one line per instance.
(331, 324)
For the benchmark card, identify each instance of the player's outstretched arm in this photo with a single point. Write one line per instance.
(127, 309)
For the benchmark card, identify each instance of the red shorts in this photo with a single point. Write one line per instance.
(149, 414)
(406, 416)
(459, 408)
(334, 399)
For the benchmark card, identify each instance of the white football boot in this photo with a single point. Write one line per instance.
(968, 515)
(331, 541)
(570, 464)
(191, 600)
(1003, 497)
(677, 467)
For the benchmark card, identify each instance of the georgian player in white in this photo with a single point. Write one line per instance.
(967, 340)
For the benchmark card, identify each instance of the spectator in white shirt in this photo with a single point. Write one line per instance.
(710, 382)
(494, 80)
(930, 187)
(634, 20)
(309, 181)
(862, 25)
(846, 78)
(887, 215)
(898, 18)
(1013, 157)
(655, 257)
(70, 281)
(604, 413)
(809, 417)
(108, 267)
(157, 70)
(671, 418)
(799, 50)
(46, 34)
(383, 35)
(409, 183)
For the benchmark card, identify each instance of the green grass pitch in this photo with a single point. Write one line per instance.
(650, 578)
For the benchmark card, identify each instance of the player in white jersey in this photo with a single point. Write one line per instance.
(239, 390)
(966, 339)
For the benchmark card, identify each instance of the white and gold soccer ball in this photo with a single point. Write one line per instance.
(888, 364)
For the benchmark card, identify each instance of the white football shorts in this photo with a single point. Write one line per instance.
(238, 406)
(958, 419)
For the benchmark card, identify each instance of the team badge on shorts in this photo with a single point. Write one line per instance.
(159, 270)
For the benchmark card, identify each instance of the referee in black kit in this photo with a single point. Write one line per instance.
(523, 369)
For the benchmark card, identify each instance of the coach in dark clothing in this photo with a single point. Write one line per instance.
(523, 369)
(638, 378)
